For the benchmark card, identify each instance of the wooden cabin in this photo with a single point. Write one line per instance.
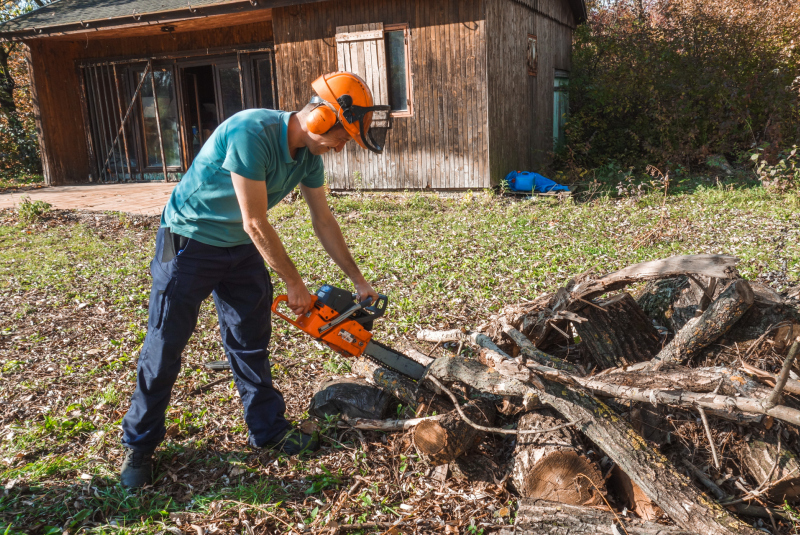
(129, 90)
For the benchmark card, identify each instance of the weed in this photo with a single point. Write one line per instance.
(337, 365)
(30, 211)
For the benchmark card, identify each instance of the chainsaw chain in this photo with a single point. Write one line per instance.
(383, 364)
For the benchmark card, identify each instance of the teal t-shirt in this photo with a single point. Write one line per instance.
(253, 144)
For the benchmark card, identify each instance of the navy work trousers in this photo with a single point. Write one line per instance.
(238, 279)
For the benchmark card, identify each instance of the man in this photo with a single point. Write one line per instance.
(214, 239)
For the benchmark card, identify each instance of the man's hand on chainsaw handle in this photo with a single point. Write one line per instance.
(364, 290)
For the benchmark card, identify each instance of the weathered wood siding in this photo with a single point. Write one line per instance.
(445, 143)
(520, 105)
(56, 78)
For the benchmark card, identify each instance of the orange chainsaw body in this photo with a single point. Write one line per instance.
(349, 338)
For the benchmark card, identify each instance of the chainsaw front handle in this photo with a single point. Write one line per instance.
(375, 310)
(285, 298)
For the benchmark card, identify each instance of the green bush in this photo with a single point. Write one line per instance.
(680, 81)
(31, 211)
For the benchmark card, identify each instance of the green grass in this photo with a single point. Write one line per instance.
(73, 297)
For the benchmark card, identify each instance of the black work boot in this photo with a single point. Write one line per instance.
(137, 469)
(292, 441)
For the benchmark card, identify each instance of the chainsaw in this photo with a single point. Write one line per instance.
(337, 320)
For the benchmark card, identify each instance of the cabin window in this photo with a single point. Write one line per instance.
(560, 108)
(397, 70)
(380, 56)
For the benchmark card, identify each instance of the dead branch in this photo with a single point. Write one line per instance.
(679, 398)
(365, 424)
(497, 430)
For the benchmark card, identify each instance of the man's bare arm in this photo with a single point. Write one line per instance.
(252, 197)
(330, 235)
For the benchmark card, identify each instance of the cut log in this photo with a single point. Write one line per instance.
(440, 441)
(618, 333)
(632, 496)
(759, 456)
(646, 466)
(715, 321)
(541, 517)
(549, 465)
(474, 468)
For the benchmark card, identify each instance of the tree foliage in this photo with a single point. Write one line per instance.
(19, 148)
(681, 80)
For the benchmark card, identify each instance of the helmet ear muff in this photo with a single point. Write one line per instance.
(321, 119)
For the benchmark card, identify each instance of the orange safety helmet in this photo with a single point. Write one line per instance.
(343, 97)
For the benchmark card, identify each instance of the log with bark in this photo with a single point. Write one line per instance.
(542, 517)
(647, 467)
(549, 465)
(618, 333)
(673, 303)
(772, 465)
(718, 379)
(445, 439)
(474, 468)
(713, 323)
(404, 389)
(538, 319)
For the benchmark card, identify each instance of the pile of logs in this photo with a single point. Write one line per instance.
(590, 383)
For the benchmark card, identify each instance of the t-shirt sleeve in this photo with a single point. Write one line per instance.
(246, 154)
(316, 174)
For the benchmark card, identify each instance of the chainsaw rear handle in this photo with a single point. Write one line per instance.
(285, 298)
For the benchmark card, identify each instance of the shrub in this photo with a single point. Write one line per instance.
(782, 176)
(683, 80)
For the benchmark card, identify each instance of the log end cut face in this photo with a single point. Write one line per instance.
(564, 476)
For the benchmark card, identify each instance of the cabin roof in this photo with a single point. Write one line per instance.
(86, 15)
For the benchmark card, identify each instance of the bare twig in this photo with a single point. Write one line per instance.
(497, 430)
(710, 437)
(775, 397)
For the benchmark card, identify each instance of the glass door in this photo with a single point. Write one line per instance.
(165, 104)
(229, 88)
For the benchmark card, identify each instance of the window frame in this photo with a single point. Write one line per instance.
(404, 27)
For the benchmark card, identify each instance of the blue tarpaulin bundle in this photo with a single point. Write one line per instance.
(532, 182)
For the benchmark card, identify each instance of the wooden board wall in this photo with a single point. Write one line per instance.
(521, 106)
(444, 144)
(56, 77)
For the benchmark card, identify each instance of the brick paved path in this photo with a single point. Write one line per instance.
(140, 199)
